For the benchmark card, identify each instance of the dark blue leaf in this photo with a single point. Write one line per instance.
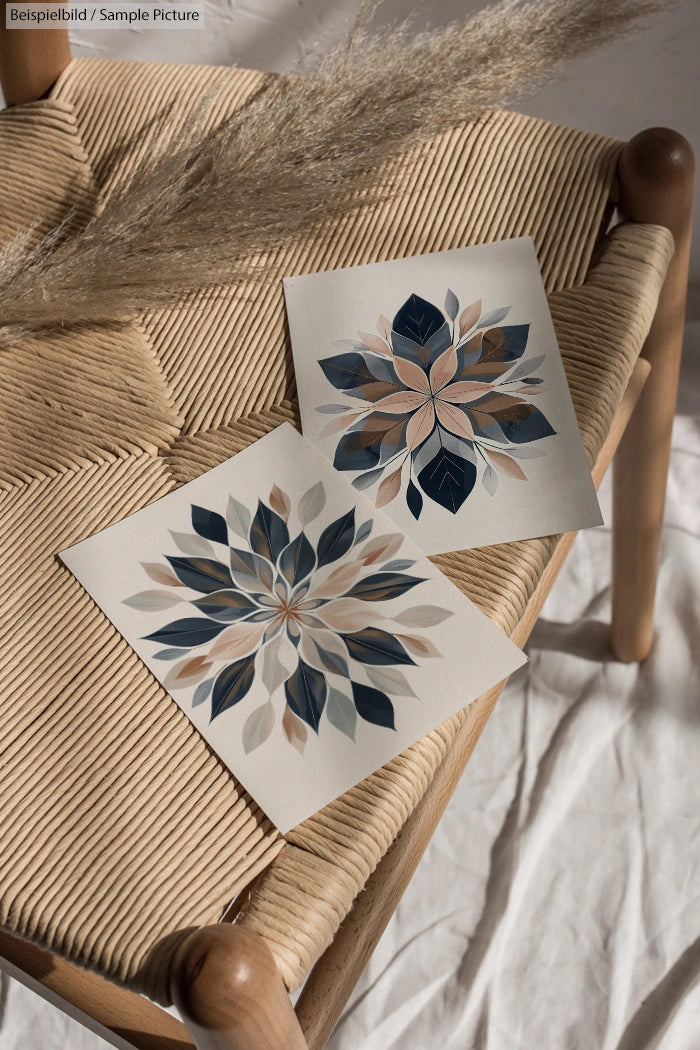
(516, 340)
(226, 605)
(358, 451)
(201, 574)
(373, 705)
(448, 479)
(187, 633)
(420, 332)
(336, 539)
(532, 380)
(381, 586)
(414, 500)
(306, 692)
(209, 524)
(361, 375)
(504, 344)
(297, 560)
(524, 423)
(232, 684)
(374, 646)
(268, 532)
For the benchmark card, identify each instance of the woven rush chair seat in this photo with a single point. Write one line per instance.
(121, 831)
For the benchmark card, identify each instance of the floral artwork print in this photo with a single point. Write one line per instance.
(440, 398)
(306, 619)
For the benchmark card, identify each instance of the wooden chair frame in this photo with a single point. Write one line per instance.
(224, 978)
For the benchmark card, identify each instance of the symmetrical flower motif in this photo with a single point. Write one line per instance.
(441, 395)
(289, 613)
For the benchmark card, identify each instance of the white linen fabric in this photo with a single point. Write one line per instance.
(558, 905)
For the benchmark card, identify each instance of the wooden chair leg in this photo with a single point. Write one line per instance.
(230, 994)
(31, 60)
(656, 186)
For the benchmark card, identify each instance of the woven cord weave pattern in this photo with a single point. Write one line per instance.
(120, 829)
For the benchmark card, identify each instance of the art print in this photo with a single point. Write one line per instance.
(308, 640)
(453, 413)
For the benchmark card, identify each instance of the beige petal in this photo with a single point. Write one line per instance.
(350, 614)
(294, 730)
(462, 393)
(381, 548)
(187, 672)
(338, 423)
(237, 641)
(411, 375)
(444, 369)
(418, 646)
(468, 318)
(373, 342)
(454, 420)
(161, 574)
(339, 581)
(389, 488)
(420, 425)
(401, 403)
(506, 465)
(384, 327)
(279, 501)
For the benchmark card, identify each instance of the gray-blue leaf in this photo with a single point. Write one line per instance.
(493, 317)
(341, 712)
(238, 517)
(490, 481)
(363, 481)
(312, 503)
(451, 304)
(257, 727)
(332, 410)
(526, 368)
(202, 692)
(363, 531)
(526, 452)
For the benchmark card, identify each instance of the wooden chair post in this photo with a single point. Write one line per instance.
(31, 60)
(656, 186)
(230, 994)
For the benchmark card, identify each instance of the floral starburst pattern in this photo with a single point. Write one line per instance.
(317, 615)
(439, 399)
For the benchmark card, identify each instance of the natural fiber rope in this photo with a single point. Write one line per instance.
(121, 830)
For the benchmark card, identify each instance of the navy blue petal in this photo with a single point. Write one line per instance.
(306, 692)
(201, 574)
(448, 478)
(268, 532)
(232, 684)
(209, 524)
(187, 633)
(374, 646)
(373, 705)
(420, 332)
(336, 539)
